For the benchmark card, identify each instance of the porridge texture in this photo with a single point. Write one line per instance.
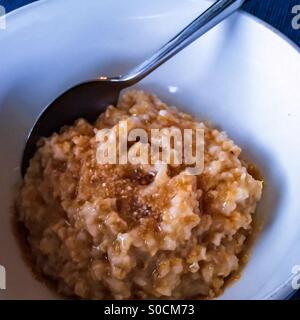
(136, 231)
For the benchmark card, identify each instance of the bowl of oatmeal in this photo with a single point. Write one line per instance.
(138, 230)
(144, 230)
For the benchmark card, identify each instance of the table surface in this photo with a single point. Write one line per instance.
(277, 13)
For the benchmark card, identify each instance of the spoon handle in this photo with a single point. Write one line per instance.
(207, 20)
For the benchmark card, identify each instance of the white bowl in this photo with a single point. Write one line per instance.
(241, 76)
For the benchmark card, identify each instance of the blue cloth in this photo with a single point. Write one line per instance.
(277, 13)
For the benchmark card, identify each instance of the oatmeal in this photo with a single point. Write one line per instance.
(119, 231)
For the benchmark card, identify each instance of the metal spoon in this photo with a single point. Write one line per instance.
(87, 100)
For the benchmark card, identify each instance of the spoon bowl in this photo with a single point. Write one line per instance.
(86, 100)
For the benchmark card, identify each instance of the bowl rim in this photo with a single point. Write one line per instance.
(284, 291)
